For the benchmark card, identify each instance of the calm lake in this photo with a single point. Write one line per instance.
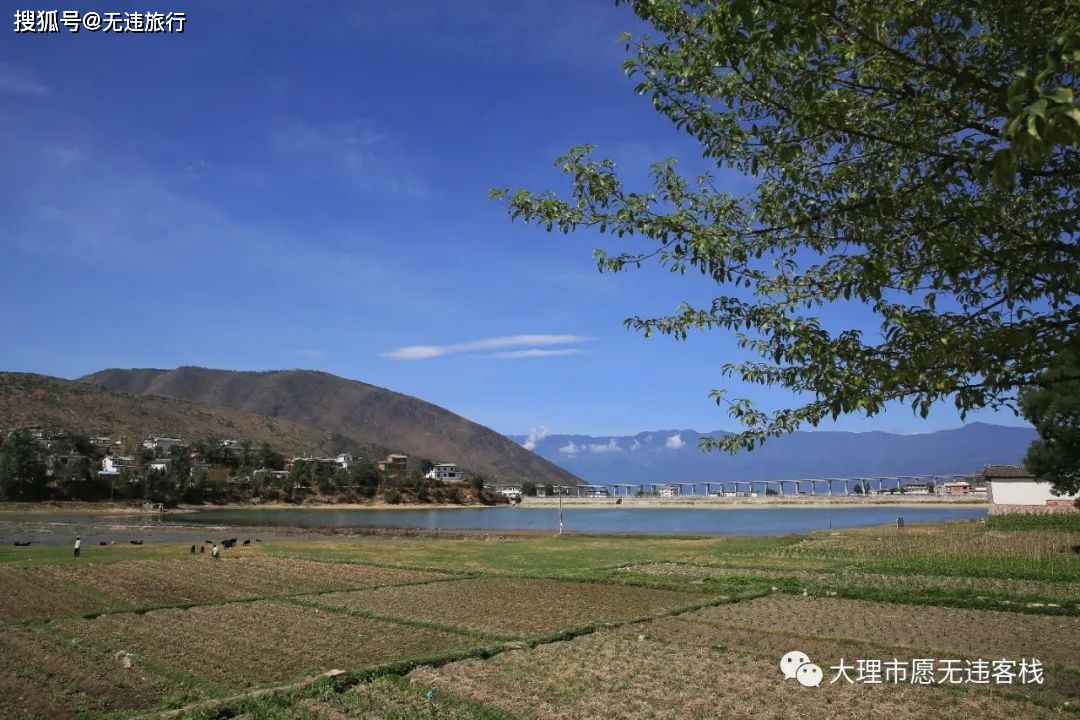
(699, 521)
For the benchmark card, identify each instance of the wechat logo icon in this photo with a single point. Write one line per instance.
(796, 666)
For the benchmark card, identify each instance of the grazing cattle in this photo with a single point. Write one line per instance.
(231, 542)
(202, 548)
(192, 549)
(102, 542)
(247, 542)
(258, 540)
(136, 542)
(22, 544)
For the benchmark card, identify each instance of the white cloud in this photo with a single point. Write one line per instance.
(425, 352)
(674, 442)
(535, 436)
(21, 82)
(611, 446)
(533, 353)
(570, 449)
(636, 445)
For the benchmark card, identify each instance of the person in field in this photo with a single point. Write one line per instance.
(214, 552)
(78, 545)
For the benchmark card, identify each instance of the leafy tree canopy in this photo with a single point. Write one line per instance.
(22, 468)
(918, 158)
(1054, 409)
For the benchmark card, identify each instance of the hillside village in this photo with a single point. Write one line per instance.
(42, 463)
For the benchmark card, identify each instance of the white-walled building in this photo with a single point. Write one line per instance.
(513, 492)
(162, 444)
(669, 491)
(113, 464)
(445, 472)
(1014, 489)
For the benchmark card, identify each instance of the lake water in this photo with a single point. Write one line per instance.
(698, 521)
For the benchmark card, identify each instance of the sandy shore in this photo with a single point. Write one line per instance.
(71, 508)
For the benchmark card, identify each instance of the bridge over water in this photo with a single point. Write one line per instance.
(936, 484)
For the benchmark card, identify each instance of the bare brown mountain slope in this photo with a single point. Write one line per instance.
(27, 399)
(350, 408)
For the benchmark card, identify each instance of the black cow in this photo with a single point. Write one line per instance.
(247, 542)
(231, 542)
(136, 542)
(22, 544)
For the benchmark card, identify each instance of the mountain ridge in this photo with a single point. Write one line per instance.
(29, 399)
(351, 408)
(673, 455)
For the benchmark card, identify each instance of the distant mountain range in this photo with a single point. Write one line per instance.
(347, 411)
(313, 412)
(673, 455)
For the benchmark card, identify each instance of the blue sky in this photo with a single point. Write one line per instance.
(304, 184)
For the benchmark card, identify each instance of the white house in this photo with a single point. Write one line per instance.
(511, 491)
(1014, 489)
(160, 465)
(445, 472)
(916, 489)
(113, 464)
(669, 491)
(162, 444)
(959, 487)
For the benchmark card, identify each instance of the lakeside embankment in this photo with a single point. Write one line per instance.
(123, 509)
(712, 503)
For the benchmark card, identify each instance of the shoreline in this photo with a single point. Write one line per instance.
(54, 524)
(702, 503)
(743, 503)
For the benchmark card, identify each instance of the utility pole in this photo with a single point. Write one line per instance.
(560, 511)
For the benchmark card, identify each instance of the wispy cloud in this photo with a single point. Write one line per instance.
(636, 445)
(535, 436)
(610, 446)
(16, 80)
(357, 152)
(426, 352)
(674, 442)
(78, 202)
(533, 353)
(572, 448)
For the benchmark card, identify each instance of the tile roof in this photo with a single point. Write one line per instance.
(1007, 471)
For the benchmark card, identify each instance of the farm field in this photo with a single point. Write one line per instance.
(543, 627)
